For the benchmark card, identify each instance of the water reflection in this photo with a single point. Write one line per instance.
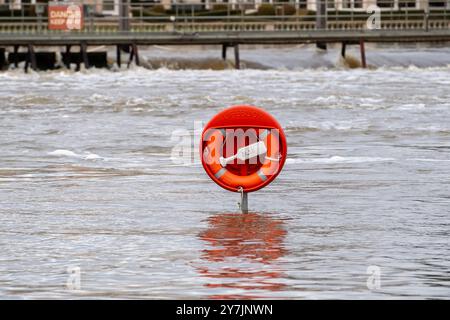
(241, 254)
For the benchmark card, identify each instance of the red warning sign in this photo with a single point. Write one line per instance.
(65, 17)
(243, 147)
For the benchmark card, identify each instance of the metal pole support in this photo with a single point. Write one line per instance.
(237, 60)
(31, 59)
(67, 58)
(124, 13)
(16, 56)
(243, 205)
(244, 202)
(343, 49)
(134, 54)
(224, 51)
(118, 56)
(363, 53)
(321, 20)
(84, 55)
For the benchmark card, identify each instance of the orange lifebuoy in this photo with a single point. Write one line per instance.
(260, 151)
(269, 167)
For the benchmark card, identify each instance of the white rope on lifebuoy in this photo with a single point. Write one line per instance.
(272, 159)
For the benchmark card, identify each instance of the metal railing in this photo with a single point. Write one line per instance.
(195, 16)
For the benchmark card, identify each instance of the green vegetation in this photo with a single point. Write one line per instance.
(288, 9)
(219, 7)
(266, 9)
(158, 9)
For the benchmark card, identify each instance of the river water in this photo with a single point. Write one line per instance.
(93, 203)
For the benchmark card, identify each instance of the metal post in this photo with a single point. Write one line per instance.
(40, 8)
(118, 56)
(130, 59)
(343, 48)
(83, 49)
(22, 11)
(363, 53)
(192, 18)
(2, 58)
(124, 12)
(321, 20)
(16, 56)
(26, 65)
(39, 16)
(174, 23)
(237, 62)
(67, 57)
(224, 51)
(91, 20)
(136, 54)
(241, 25)
(31, 59)
(244, 202)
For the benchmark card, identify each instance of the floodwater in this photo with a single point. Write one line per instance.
(95, 204)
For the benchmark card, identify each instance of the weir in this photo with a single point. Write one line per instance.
(184, 24)
(10, 44)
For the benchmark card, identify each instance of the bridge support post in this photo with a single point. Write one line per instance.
(118, 56)
(83, 51)
(224, 51)
(363, 53)
(343, 49)
(31, 59)
(237, 61)
(67, 57)
(16, 56)
(2, 59)
(134, 54)
(130, 58)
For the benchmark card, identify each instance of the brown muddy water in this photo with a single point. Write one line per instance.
(88, 182)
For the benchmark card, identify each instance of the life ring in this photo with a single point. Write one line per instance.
(231, 181)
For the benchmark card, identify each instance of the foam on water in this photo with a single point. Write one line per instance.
(339, 159)
(71, 154)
